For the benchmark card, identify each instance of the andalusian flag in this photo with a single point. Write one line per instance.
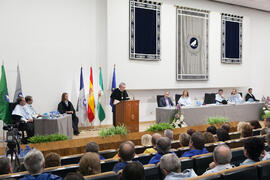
(4, 99)
(101, 113)
(91, 100)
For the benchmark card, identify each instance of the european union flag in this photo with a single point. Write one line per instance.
(113, 85)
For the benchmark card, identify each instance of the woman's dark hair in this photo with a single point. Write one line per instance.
(212, 129)
(74, 176)
(133, 171)
(254, 148)
(63, 96)
(255, 124)
(223, 135)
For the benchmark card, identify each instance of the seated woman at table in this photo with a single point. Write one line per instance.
(235, 97)
(65, 106)
(185, 99)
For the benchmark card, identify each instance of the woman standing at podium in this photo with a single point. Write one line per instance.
(119, 94)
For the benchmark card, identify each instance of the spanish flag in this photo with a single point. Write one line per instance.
(91, 100)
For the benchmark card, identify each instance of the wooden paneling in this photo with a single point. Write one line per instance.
(77, 146)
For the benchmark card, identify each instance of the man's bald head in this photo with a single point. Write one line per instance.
(126, 151)
(222, 154)
(155, 137)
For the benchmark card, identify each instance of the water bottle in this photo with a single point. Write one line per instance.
(21, 153)
(27, 149)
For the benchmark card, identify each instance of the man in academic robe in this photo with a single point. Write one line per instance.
(165, 101)
(250, 97)
(20, 110)
(119, 94)
(66, 107)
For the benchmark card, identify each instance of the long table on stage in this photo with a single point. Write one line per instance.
(198, 115)
(62, 125)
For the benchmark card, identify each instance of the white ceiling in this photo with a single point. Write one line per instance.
(256, 4)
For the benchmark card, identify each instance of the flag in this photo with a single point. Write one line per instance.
(101, 113)
(82, 109)
(113, 85)
(91, 100)
(4, 99)
(18, 90)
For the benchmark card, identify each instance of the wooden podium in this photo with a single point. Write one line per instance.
(127, 113)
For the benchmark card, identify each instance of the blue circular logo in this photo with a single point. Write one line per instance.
(193, 43)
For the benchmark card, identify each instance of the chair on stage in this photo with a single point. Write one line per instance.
(16, 120)
(177, 97)
(210, 98)
(158, 98)
(102, 176)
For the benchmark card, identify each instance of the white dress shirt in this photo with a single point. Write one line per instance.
(235, 98)
(219, 98)
(21, 111)
(186, 101)
(30, 110)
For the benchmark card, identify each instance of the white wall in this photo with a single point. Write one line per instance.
(51, 39)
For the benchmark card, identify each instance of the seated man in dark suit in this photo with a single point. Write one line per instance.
(250, 97)
(165, 101)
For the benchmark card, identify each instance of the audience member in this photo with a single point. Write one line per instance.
(253, 149)
(155, 137)
(266, 128)
(90, 164)
(196, 145)
(169, 134)
(146, 140)
(34, 164)
(212, 129)
(184, 139)
(255, 124)
(222, 156)
(5, 166)
(52, 160)
(93, 147)
(222, 135)
(170, 166)
(163, 147)
(209, 138)
(240, 125)
(226, 127)
(246, 131)
(74, 176)
(267, 154)
(191, 131)
(126, 154)
(133, 171)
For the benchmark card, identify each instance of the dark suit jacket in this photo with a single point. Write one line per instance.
(248, 96)
(118, 95)
(162, 102)
(63, 108)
